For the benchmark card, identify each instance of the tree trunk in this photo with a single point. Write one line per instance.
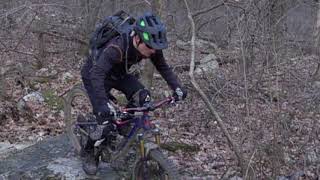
(316, 44)
(2, 84)
(317, 32)
(147, 75)
(113, 5)
(274, 28)
(41, 47)
(91, 11)
(232, 144)
(40, 28)
(277, 11)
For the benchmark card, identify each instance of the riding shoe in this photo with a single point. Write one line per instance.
(90, 164)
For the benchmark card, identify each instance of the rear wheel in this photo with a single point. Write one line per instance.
(77, 139)
(156, 167)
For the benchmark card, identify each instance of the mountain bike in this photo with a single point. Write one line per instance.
(139, 139)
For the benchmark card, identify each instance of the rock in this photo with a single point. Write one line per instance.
(52, 158)
(316, 84)
(236, 178)
(282, 178)
(34, 97)
(67, 76)
(207, 64)
(44, 74)
(6, 148)
(42, 71)
(295, 175)
(70, 167)
(312, 157)
(22, 104)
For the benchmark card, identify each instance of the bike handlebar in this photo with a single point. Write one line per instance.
(149, 106)
(124, 116)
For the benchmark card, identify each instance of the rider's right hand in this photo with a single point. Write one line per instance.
(179, 94)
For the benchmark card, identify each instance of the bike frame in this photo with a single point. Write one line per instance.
(142, 124)
(138, 128)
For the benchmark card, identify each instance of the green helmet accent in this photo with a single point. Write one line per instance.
(146, 36)
(142, 23)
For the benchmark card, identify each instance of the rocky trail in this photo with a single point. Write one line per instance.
(52, 158)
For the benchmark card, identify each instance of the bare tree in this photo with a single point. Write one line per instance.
(2, 82)
(147, 75)
(274, 25)
(317, 31)
(91, 10)
(233, 145)
(317, 41)
(41, 45)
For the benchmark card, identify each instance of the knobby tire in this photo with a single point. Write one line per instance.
(69, 121)
(166, 165)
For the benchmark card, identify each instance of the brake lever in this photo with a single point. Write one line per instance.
(150, 106)
(173, 102)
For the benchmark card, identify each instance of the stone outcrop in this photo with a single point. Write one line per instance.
(52, 158)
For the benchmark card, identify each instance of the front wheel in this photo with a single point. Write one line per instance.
(156, 166)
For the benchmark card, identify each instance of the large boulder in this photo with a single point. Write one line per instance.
(7, 148)
(208, 64)
(23, 106)
(52, 158)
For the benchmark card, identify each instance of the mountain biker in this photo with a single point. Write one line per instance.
(146, 40)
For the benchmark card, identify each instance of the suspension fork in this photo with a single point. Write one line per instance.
(156, 132)
(146, 146)
(141, 145)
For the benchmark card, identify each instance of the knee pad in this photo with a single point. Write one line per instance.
(139, 98)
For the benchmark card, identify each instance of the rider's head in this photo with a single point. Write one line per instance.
(151, 34)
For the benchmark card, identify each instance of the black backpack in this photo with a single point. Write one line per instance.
(121, 23)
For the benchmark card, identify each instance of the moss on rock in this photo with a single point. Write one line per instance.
(175, 146)
(52, 100)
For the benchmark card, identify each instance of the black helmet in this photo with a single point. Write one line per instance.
(152, 31)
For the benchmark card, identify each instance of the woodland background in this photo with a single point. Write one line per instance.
(254, 114)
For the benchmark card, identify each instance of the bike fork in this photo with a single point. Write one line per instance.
(157, 136)
(141, 143)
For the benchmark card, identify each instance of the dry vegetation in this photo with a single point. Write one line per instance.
(265, 89)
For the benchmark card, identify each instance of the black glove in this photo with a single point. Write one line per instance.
(103, 114)
(179, 94)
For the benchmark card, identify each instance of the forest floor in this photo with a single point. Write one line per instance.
(188, 122)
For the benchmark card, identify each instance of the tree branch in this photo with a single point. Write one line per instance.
(27, 29)
(14, 10)
(206, 10)
(81, 41)
(204, 97)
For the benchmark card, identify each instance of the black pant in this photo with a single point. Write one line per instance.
(127, 84)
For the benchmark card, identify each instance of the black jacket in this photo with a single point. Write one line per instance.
(112, 64)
